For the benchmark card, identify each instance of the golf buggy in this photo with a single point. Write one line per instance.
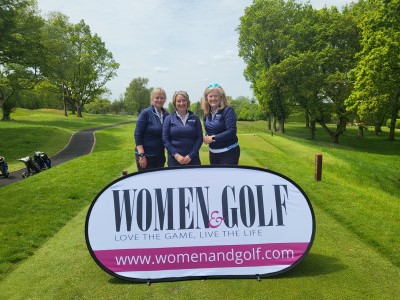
(4, 167)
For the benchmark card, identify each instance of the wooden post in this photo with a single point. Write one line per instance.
(318, 167)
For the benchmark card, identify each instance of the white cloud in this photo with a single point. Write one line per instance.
(227, 55)
(161, 69)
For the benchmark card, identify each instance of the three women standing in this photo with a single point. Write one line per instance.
(181, 132)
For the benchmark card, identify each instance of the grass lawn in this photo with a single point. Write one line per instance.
(354, 255)
(44, 130)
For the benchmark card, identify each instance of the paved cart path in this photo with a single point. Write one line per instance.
(81, 143)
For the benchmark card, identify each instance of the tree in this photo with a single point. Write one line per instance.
(93, 68)
(264, 40)
(21, 52)
(59, 56)
(10, 37)
(246, 109)
(99, 106)
(118, 106)
(137, 95)
(296, 55)
(195, 107)
(79, 65)
(377, 76)
(301, 80)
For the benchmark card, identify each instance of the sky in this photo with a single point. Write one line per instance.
(176, 44)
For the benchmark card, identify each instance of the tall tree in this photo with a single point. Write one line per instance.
(10, 34)
(264, 39)
(377, 75)
(21, 54)
(79, 63)
(60, 57)
(93, 68)
(137, 95)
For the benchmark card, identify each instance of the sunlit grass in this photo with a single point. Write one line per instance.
(355, 252)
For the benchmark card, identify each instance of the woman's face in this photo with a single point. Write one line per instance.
(214, 99)
(181, 104)
(158, 101)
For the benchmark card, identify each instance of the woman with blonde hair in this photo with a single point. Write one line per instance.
(182, 133)
(220, 127)
(150, 151)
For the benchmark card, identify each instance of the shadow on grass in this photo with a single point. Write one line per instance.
(313, 265)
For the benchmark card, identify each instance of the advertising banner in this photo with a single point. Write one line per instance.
(196, 222)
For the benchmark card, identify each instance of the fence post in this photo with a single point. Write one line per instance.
(318, 167)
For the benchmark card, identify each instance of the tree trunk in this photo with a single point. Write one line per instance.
(281, 126)
(334, 136)
(307, 119)
(360, 132)
(378, 129)
(65, 106)
(269, 122)
(395, 112)
(274, 124)
(79, 111)
(7, 108)
(6, 115)
(312, 129)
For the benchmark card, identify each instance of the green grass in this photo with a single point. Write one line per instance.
(355, 252)
(44, 130)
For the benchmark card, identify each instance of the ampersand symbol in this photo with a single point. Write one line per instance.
(214, 222)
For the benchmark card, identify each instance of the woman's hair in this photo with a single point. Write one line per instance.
(182, 93)
(204, 103)
(157, 91)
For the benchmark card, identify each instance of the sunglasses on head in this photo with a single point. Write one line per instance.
(213, 85)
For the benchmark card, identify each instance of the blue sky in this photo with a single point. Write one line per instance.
(176, 44)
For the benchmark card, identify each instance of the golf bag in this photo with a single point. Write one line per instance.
(42, 160)
(4, 167)
(31, 167)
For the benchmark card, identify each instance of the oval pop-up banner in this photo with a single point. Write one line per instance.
(196, 222)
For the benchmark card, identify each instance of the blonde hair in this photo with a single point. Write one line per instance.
(204, 103)
(156, 91)
(183, 94)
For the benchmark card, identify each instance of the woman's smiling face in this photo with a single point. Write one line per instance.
(181, 104)
(214, 99)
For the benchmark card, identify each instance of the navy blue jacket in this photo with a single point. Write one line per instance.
(182, 139)
(223, 127)
(148, 131)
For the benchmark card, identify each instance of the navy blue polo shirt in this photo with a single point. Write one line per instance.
(148, 131)
(182, 139)
(223, 126)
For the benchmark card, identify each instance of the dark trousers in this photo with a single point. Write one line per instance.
(172, 162)
(230, 157)
(153, 162)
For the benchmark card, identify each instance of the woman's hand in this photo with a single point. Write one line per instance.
(208, 139)
(143, 162)
(186, 160)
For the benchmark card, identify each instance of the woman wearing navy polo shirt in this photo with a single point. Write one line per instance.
(150, 151)
(220, 127)
(182, 134)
